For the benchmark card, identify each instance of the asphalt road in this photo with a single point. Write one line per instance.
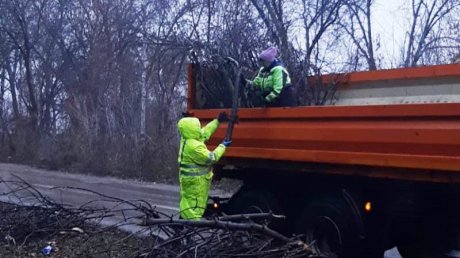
(164, 197)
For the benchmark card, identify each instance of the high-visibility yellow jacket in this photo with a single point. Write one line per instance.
(195, 165)
(271, 81)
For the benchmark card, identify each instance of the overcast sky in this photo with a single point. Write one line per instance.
(390, 21)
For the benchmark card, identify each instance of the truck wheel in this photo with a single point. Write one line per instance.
(322, 229)
(256, 201)
(331, 231)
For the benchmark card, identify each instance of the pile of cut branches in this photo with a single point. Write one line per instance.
(111, 227)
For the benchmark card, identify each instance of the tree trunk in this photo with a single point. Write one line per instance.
(2, 94)
(33, 108)
(143, 96)
(14, 98)
(370, 46)
(2, 104)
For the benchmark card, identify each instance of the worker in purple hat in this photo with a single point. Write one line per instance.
(273, 81)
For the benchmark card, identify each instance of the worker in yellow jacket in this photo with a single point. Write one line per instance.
(273, 81)
(195, 164)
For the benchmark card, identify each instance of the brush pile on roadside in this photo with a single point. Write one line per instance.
(32, 225)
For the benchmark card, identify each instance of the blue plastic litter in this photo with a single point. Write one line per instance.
(47, 250)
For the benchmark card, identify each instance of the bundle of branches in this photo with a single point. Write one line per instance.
(214, 81)
(111, 227)
(34, 215)
(227, 236)
(29, 221)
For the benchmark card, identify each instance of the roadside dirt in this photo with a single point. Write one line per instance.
(24, 234)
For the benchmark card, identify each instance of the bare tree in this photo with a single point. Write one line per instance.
(446, 48)
(276, 23)
(11, 63)
(318, 16)
(359, 29)
(3, 128)
(23, 35)
(421, 37)
(454, 29)
(456, 58)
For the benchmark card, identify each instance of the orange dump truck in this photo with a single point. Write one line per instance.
(378, 168)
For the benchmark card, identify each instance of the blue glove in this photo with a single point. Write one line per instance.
(227, 143)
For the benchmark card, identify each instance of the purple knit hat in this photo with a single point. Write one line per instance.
(268, 54)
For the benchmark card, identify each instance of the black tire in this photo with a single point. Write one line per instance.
(329, 227)
(322, 228)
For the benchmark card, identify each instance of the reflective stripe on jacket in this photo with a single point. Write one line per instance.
(195, 166)
(194, 156)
